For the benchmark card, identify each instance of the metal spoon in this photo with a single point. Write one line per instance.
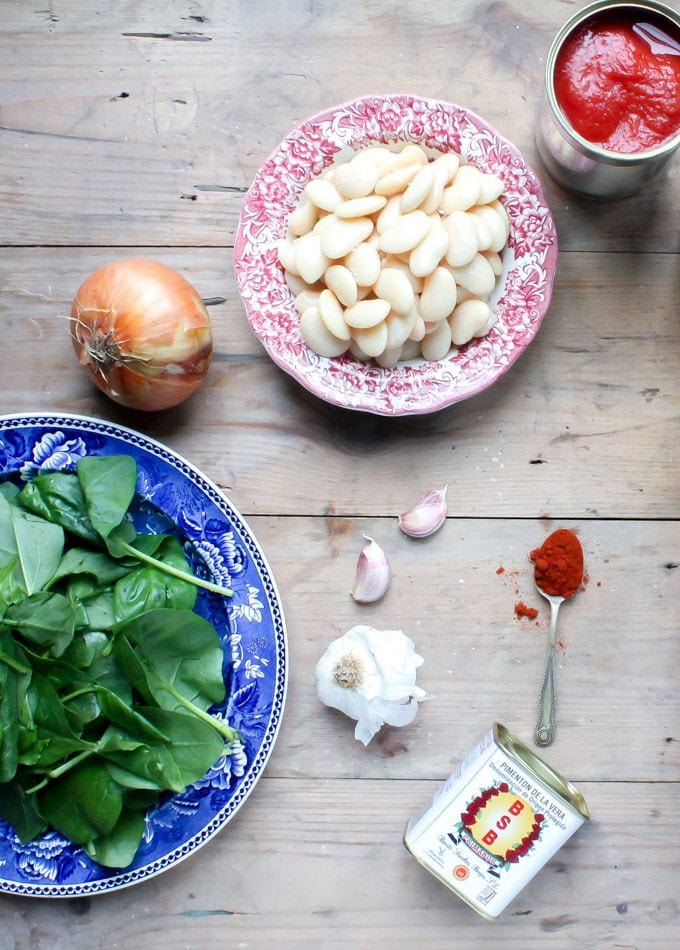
(545, 727)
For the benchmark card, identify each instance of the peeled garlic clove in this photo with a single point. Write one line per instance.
(427, 516)
(373, 574)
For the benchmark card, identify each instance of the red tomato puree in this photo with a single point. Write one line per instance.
(617, 80)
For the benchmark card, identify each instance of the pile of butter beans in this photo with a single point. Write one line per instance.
(392, 255)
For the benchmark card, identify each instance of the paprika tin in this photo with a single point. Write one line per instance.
(493, 824)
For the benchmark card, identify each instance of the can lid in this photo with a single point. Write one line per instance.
(515, 748)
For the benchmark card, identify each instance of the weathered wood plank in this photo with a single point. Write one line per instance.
(320, 864)
(618, 702)
(594, 400)
(162, 116)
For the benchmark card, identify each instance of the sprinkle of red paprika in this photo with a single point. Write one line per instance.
(521, 610)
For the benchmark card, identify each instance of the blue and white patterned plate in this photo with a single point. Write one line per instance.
(171, 494)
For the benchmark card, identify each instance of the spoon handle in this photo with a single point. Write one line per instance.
(545, 726)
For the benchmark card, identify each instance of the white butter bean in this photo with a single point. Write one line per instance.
(389, 358)
(376, 154)
(416, 152)
(410, 350)
(495, 225)
(372, 340)
(395, 288)
(358, 207)
(399, 328)
(495, 260)
(341, 237)
(389, 215)
(317, 336)
(418, 331)
(367, 313)
(310, 259)
(418, 189)
(445, 167)
(464, 192)
(373, 240)
(409, 230)
(358, 353)
(477, 276)
(467, 320)
(331, 314)
(463, 243)
(396, 181)
(307, 298)
(436, 345)
(439, 295)
(491, 188)
(296, 283)
(287, 256)
(364, 265)
(303, 218)
(500, 208)
(355, 179)
(427, 255)
(341, 281)
(484, 236)
(325, 220)
(403, 159)
(323, 194)
(389, 260)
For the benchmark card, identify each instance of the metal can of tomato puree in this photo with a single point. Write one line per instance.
(573, 160)
(498, 818)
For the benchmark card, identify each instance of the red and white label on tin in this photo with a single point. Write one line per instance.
(490, 828)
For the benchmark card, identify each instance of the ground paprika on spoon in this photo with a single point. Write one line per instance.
(558, 564)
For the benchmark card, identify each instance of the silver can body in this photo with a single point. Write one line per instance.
(573, 161)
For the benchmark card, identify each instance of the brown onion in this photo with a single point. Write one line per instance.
(143, 334)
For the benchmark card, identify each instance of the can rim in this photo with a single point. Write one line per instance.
(613, 158)
(515, 748)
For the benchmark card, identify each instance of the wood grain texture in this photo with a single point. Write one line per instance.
(620, 651)
(585, 425)
(133, 129)
(321, 865)
(163, 116)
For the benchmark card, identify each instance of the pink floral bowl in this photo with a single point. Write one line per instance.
(521, 297)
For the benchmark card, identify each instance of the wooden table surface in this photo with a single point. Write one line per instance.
(133, 128)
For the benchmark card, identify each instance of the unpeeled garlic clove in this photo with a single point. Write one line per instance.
(427, 516)
(373, 574)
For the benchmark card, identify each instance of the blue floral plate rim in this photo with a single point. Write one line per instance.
(278, 678)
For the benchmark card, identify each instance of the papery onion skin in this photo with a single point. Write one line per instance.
(142, 333)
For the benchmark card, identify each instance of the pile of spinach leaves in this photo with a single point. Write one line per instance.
(106, 673)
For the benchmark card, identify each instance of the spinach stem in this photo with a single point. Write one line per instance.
(55, 773)
(175, 572)
(15, 665)
(227, 731)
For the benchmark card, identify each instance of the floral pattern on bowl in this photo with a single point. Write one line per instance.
(521, 298)
(170, 493)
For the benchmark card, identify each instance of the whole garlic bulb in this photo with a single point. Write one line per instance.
(370, 676)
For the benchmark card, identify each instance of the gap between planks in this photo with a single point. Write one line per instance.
(391, 517)
(230, 247)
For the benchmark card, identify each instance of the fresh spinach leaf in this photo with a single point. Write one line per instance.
(45, 619)
(180, 656)
(94, 563)
(193, 746)
(94, 605)
(36, 544)
(119, 846)
(10, 492)
(12, 590)
(13, 688)
(85, 803)
(21, 811)
(135, 782)
(58, 497)
(108, 483)
(148, 588)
